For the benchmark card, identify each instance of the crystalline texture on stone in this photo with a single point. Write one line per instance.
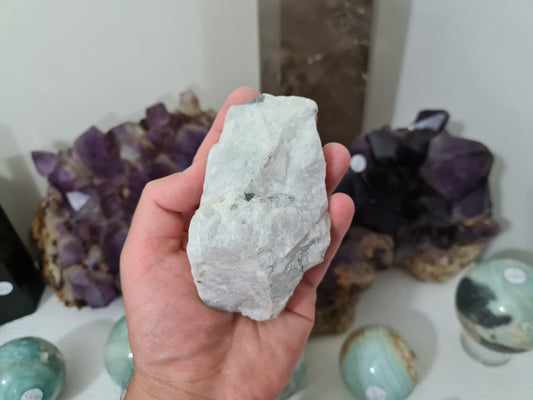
(454, 166)
(421, 185)
(263, 218)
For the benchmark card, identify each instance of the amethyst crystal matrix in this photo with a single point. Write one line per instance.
(94, 187)
(422, 203)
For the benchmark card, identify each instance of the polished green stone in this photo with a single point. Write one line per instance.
(376, 363)
(118, 357)
(494, 302)
(296, 383)
(30, 369)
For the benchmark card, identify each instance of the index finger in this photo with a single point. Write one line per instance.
(163, 200)
(239, 96)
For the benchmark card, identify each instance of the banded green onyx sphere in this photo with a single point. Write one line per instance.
(118, 358)
(30, 369)
(494, 303)
(377, 364)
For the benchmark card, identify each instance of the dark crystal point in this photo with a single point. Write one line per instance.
(87, 227)
(157, 116)
(455, 166)
(423, 190)
(70, 251)
(63, 177)
(384, 144)
(128, 138)
(420, 183)
(476, 203)
(354, 186)
(380, 219)
(96, 151)
(362, 147)
(112, 206)
(436, 208)
(189, 139)
(93, 146)
(390, 187)
(79, 280)
(415, 147)
(434, 120)
(126, 133)
(45, 162)
(112, 243)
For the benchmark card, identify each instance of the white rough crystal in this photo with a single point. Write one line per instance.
(263, 218)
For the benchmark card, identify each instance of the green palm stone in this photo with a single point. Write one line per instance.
(118, 357)
(377, 364)
(30, 369)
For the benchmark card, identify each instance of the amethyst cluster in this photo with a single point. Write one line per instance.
(421, 185)
(425, 194)
(81, 225)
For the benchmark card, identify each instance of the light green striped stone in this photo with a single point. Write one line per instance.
(376, 364)
(30, 369)
(118, 357)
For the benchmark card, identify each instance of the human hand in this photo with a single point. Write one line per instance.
(183, 349)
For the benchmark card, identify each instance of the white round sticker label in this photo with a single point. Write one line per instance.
(375, 393)
(515, 275)
(358, 163)
(32, 394)
(5, 288)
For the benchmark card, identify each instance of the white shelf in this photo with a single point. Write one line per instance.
(422, 313)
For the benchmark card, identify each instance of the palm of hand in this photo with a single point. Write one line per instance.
(183, 349)
(185, 341)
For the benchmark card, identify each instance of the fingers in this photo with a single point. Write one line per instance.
(181, 192)
(163, 199)
(239, 96)
(341, 211)
(337, 163)
(302, 303)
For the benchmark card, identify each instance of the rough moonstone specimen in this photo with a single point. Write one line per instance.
(30, 368)
(118, 358)
(377, 364)
(263, 218)
(494, 303)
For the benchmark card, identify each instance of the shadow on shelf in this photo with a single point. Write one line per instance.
(83, 349)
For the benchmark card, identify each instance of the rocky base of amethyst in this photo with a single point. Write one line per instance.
(351, 273)
(81, 225)
(439, 265)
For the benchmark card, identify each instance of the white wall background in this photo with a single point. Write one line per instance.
(65, 65)
(475, 59)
